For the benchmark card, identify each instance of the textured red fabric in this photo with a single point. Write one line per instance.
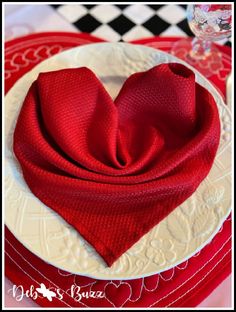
(114, 169)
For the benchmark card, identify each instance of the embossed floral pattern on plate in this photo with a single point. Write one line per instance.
(179, 236)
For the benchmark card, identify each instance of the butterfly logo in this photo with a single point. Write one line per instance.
(46, 292)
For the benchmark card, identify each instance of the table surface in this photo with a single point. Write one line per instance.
(114, 23)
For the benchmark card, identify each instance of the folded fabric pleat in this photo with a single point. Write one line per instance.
(114, 169)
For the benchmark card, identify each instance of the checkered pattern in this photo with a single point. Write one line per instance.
(114, 22)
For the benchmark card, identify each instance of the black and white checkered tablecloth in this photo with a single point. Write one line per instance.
(114, 22)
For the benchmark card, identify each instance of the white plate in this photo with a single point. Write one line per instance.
(184, 232)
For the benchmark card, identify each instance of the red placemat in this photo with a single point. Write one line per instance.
(185, 285)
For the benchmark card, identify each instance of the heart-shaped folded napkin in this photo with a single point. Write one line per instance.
(114, 169)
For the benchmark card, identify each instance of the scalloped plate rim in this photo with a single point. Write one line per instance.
(144, 274)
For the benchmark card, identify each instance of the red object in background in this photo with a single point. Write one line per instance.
(183, 286)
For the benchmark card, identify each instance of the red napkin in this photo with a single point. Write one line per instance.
(114, 169)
